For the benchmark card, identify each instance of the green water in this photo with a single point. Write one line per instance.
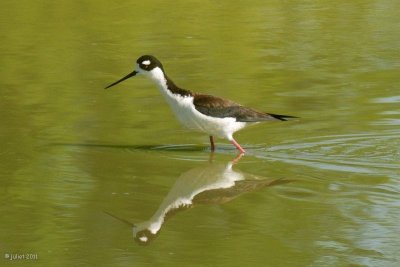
(319, 191)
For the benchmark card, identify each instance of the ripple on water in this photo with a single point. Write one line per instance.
(176, 151)
(389, 99)
(369, 153)
(366, 153)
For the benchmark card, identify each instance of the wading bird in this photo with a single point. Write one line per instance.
(200, 112)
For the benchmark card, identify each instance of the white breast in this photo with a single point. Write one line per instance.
(186, 113)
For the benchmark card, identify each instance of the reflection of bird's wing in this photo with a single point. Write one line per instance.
(198, 180)
(224, 195)
(222, 108)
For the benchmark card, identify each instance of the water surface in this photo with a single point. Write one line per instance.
(109, 178)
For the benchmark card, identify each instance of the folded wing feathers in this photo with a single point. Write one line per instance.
(222, 108)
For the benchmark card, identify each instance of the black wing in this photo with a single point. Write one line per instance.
(222, 108)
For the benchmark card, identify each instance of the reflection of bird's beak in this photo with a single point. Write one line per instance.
(133, 73)
(120, 219)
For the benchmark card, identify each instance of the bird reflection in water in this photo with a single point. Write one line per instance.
(214, 183)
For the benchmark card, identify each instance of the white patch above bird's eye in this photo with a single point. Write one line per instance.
(146, 62)
(143, 238)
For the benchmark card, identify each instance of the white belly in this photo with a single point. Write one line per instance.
(187, 115)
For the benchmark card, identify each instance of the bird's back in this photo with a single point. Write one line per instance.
(222, 108)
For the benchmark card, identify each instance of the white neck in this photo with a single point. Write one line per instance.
(157, 76)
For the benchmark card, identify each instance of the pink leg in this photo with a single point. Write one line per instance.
(212, 143)
(236, 144)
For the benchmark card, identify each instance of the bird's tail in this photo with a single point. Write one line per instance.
(282, 117)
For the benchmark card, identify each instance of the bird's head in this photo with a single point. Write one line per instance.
(147, 65)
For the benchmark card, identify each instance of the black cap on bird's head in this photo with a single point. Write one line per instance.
(144, 64)
(147, 63)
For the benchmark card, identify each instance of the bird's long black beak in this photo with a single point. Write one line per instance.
(133, 73)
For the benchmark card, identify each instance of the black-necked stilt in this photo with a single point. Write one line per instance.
(205, 113)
